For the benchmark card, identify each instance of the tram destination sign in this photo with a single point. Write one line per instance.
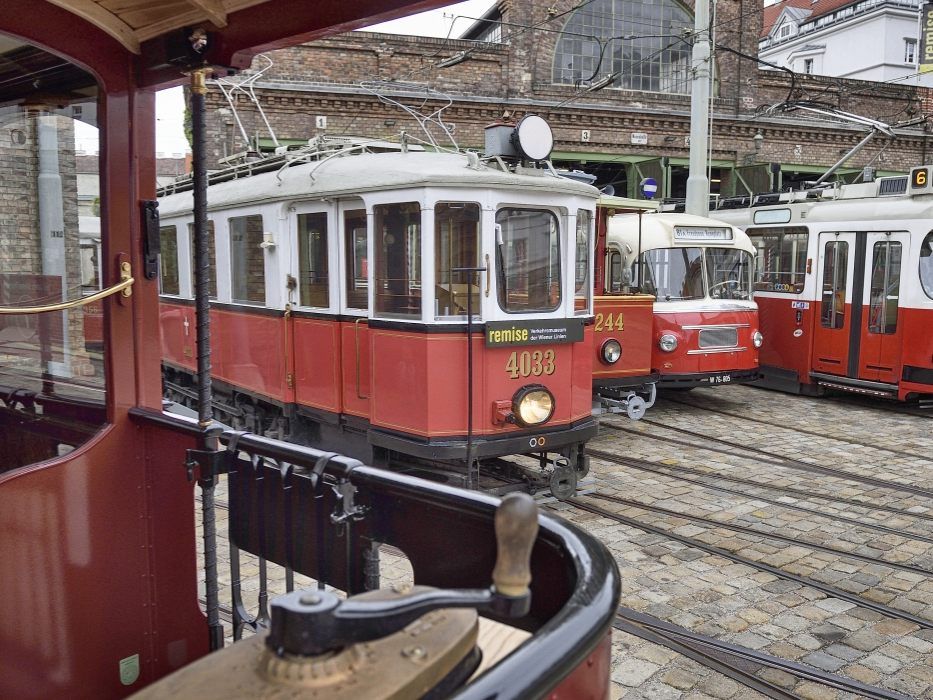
(702, 233)
(500, 334)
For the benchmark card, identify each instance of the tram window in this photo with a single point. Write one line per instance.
(730, 273)
(49, 253)
(782, 258)
(885, 287)
(673, 274)
(312, 263)
(398, 259)
(582, 286)
(528, 260)
(168, 260)
(615, 271)
(835, 270)
(247, 260)
(926, 264)
(211, 260)
(357, 268)
(456, 245)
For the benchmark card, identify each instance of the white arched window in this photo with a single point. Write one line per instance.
(642, 43)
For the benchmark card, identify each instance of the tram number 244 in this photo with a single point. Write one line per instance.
(609, 322)
(530, 364)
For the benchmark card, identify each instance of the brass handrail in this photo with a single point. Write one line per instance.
(126, 281)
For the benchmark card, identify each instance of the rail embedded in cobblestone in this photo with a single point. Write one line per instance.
(768, 535)
(828, 589)
(770, 457)
(804, 431)
(674, 471)
(724, 657)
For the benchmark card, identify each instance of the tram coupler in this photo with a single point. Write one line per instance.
(630, 402)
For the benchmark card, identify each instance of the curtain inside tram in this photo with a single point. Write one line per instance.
(52, 380)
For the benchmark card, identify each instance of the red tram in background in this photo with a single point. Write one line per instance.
(344, 279)
(698, 272)
(98, 563)
(844, 282)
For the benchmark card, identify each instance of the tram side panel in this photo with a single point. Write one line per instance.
(917, 352)
(317, 370)
(786, 354)
(627, 319)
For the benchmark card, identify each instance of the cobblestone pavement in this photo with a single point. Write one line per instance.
(739, 604)
(733, 602)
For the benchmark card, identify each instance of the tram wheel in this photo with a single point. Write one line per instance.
(563, 483)
(635, 407)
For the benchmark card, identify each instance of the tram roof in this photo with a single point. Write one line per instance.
(658, 231)
(354, 174)
(156, 30)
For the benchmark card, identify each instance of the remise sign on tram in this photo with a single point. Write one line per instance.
(505, 333)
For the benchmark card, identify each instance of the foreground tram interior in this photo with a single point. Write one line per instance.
(104, 497)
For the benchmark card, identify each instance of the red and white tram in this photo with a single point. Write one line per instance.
(699, 272)
(341, 296)
(844, 282)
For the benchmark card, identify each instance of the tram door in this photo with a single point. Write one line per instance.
(832, 333)
(879, 356)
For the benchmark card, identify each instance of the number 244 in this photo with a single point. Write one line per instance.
(608, 323)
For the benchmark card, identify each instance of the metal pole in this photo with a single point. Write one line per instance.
(855, 149)
(641, 265)
(471, 271)
(202, 310)
(697, 182)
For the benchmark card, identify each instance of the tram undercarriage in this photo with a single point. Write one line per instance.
(498, 466)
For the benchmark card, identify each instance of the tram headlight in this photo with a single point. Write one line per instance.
(757, 339)
(532, 405)
(668, 342)
(611, 351)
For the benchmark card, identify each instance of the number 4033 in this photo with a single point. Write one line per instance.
(530, 364)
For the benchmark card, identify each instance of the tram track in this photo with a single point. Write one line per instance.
(660, 469)
(828, 589)
(737, 662)
(770, 457)
(804, 431)
(759, 533)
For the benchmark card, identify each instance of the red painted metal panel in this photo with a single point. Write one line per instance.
(783, 347)
(249, 350)
(176, 322)
(831, 345)
(581, 388)
(317, 363)
(634, 334)
(589, 680)
(400, 380)
(355, 368)
(880, 353)
(680, 361)
(917, 347)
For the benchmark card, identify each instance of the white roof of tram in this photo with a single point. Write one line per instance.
(658, 231)
(355, 174)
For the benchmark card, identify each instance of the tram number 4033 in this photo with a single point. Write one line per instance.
(530, 364)
(609, 322)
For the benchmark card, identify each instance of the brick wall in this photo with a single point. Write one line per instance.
(323, 79)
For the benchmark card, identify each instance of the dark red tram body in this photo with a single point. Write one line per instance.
(98, 563)
(374, 357)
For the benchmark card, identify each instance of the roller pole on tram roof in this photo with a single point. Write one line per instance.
(697, 202)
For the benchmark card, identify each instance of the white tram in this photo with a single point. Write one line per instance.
(844, 284)
(700, 272)
(341, 289)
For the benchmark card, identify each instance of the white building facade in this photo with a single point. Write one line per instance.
(865, 40)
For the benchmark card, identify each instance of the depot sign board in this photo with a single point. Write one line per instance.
(539, 332)
(926, 39)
